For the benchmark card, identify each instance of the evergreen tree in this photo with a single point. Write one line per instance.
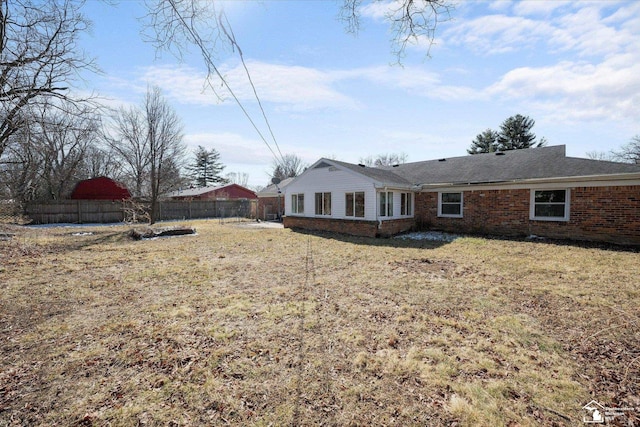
(515, 134)
(206, 168)
(485, 142)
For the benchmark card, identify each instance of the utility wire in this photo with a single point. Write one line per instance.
(211, 65)
(232, 39)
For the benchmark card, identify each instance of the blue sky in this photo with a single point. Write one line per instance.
(574, 67)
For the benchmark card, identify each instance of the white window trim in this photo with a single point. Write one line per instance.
(387, 204)
(410, 199)
(532, 205)
(353, 206)
(297, 204)
(440, 214)
(323, 214)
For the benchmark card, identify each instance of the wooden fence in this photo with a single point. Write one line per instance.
(106, 211)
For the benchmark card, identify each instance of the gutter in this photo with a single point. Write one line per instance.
(562, 179)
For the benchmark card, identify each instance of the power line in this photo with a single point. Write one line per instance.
(232, 39)
(211, 66)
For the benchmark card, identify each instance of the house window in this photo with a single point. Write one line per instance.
(405, 204)
(386, 203)
(297, 203)
(323, 203)
(450, 205)
(354, 204)
(550, 205)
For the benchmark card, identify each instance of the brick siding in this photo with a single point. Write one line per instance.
(607, 214)
(353, 227)
(269, 205)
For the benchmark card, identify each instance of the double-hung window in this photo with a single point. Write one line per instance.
(450, 205)
(406, 207)
(297, 203)
(386, 203)
(323, 203)
(550, 205)
(354, 204)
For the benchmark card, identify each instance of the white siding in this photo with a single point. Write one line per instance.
(338, 183)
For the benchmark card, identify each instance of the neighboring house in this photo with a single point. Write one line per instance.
(100, 188)
(535, 191)
(271, 200)
(222, 192)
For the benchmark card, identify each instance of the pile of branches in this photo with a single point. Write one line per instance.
(150, 233)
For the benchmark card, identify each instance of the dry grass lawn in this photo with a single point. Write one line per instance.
(246, 326)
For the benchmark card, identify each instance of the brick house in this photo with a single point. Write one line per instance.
(271, 200)
(537, 191)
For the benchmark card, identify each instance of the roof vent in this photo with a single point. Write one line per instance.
(499, 153)
(442, 160)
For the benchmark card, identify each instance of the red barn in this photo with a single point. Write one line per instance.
(224, 192)
(101, 188)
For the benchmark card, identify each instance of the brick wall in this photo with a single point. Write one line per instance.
(353, 227)
(608, 214)
(356, 228)
(268, 207)
(396, 226)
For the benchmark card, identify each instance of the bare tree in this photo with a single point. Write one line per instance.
(101, 160)
(630, 152)
(48, 156)
(62, 142)
(166, 148)
(289, 166)
(39, 58)
(20, 172)
(149, 143)
(600, 155)
(174, 25)
(240, 178)
(410, 21)
(385, 160)
(127, 138)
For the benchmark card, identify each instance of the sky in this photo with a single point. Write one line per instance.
(572, 66)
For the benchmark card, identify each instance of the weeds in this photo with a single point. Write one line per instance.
(272, 327)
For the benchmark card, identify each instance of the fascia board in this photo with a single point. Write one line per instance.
(611, 180)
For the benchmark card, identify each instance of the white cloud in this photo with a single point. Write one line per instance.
(577, 90)
(291, 87)
(233, 148)
(538, 7)
(497, 34)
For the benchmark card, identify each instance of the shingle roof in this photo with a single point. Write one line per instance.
(387, 176)
(272, 189)
(532, 163)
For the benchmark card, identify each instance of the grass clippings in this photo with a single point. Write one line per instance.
(247, 326)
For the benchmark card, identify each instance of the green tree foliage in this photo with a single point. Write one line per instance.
(514, 134)
(206, 168)
(485, 142)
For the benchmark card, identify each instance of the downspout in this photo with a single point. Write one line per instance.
(385, 188)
